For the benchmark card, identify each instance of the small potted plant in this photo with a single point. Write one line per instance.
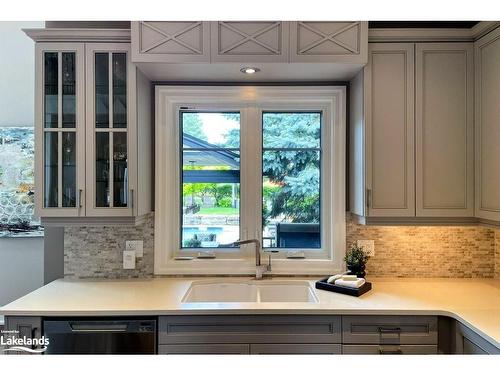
(356, 258)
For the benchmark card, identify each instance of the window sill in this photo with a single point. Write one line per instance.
(247, 267)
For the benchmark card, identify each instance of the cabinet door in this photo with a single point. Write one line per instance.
(170, 41)
(444, 129)
(110, 129)
(295, 349)
(389, 139)
(329, 42)
(248, 42)
(23, 326)
(60, 129)
(487, 125)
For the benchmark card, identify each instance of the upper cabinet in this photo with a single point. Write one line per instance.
(487, 124)
(93, 134)
(258, 41)
(170, 41)
(343, 42)
(60, 129)
(412, 133)
(249, 42)
(389, 107)
(444, 129)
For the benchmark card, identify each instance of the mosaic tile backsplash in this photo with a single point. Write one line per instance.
(497, 253)
(408, 251)
(97, 252)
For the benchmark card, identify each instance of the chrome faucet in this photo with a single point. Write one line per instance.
(259, 268)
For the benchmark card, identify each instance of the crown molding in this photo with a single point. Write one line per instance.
(431, 35)
(79, 35)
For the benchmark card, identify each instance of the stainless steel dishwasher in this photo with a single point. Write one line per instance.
(100, 336)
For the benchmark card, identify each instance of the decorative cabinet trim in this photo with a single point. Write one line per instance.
(259, 41)
(79, 35)
(170, 41)
(329, 41)
(486, 113)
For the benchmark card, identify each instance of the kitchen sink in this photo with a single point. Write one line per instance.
(250, 291)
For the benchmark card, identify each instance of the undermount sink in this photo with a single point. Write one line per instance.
(250, 291)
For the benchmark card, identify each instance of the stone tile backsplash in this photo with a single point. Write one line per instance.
(97, 252)
(428, 251)
(497, 253)
(408, 251)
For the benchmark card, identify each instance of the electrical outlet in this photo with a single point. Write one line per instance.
(129, 260)
(136, 246)
(368, 246)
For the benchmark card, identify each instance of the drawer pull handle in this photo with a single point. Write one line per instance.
(383, 330)
(389, 352)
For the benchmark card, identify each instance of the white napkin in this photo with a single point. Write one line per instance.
(350, 284)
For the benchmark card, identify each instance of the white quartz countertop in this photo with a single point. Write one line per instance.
(473, 302)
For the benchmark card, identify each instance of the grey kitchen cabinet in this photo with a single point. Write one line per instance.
(411, 152)
(389, 349)
(487, 126)
(93, 135)
(382, 133)
(118, 137)
(295, 349)
(249, 41)
(170, 41)
(59, 129)
(328, 42)
(205, 349)
(468, 342)
(390, 330)
(29, 327)
(444, 129)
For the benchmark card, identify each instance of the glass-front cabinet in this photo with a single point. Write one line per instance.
(60, 129)
(110, 192)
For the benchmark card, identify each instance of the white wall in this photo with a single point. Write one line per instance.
(21, 267)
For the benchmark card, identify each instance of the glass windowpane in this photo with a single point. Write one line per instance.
(51, 187)
(68, 90)
(120, 171)
(119, 90)
(69, 169)
(51, 90)
(102, 193)
(291, 181)
(211, 179)
(101, 90)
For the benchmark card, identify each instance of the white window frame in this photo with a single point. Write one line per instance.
(331, 100)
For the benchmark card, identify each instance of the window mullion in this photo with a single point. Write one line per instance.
(251, 169)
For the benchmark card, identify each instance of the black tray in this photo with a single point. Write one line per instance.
(356, 292)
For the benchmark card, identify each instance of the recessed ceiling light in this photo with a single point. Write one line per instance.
(249, 70)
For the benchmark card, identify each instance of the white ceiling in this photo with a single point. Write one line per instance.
(230, 72)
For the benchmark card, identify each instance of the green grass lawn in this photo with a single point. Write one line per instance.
(218, 211)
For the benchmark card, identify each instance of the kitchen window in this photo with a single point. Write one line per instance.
(249, 162)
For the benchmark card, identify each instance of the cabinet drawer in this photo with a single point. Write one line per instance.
(249, 329)
(295, 349)
(204, 349)
(391, 330)
(389, 349)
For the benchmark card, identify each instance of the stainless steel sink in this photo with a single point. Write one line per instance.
(250, 291)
